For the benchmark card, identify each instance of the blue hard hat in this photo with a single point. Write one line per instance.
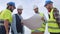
(47, 2)
(11, 4)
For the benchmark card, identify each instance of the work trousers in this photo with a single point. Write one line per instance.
(2, 30)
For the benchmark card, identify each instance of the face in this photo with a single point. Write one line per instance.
(49, 6)
(11, 8)
(36, 10)
(19, 11)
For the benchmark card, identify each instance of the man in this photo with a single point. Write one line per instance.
(17, 25)
(40, 30)
(53, 13)
(6, 18)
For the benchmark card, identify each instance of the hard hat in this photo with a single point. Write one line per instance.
(20, 7)
(47, 2)
(35, 7)
(11, 4)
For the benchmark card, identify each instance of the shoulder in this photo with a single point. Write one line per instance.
(6, 11)
(13, 15)
(55, 10)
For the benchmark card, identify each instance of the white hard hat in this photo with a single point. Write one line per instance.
(35, 7)
(20, 7)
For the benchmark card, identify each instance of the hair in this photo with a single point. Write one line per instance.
(9, 9)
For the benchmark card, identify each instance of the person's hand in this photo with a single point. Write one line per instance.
(42, 18)
(22, 23)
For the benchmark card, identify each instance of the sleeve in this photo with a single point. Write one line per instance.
(56, 13)
(21, 19)
(7, 15)
(13, 25)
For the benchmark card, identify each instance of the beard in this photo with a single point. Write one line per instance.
(11, 10)
(36, 12)
(19, 13)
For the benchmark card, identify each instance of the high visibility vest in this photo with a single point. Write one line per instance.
(6, 14)
(43, 25)
(52, 25)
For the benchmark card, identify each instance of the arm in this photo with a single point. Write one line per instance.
(6, 22)
(21, 20)
(57, 16)
(7, 19)
(56, 13)
(13, 26)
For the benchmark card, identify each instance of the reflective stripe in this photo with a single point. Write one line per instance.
(51, 14)
(42, 29)
(1, 19)
(51, 21)
(54, 30)
(52, 24)
(1, 24)
(53, 27)
(43, 25)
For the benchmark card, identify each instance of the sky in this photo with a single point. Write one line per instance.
(28, 6)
